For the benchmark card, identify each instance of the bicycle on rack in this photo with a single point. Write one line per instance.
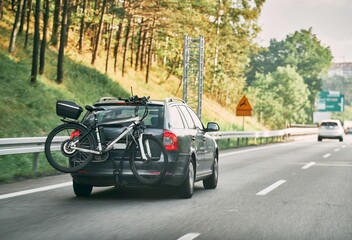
(72, 145)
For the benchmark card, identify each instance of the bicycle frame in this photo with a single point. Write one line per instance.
(127, 130)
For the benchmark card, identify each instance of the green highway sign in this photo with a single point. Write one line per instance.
(331, 101)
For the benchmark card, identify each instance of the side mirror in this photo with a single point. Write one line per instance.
(212, 127)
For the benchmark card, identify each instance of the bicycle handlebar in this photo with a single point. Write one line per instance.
(135, 99)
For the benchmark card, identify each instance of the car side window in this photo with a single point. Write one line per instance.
(175, 118)
(188, 117)
(195, 119)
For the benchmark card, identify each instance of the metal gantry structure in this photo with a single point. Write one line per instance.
(193, 65)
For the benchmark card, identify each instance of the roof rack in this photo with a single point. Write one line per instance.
(174, 100)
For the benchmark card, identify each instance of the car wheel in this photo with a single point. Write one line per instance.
(187, 188)
(320, 138)
(212, 181)
(82, 190)
(341, 139)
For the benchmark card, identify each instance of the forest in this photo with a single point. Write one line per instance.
(139, 35)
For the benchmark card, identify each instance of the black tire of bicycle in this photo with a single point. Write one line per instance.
(133, 150)
(51, 136)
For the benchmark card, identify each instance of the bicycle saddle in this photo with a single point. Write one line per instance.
(93, 108)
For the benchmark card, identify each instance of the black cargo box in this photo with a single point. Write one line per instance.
(68, 109)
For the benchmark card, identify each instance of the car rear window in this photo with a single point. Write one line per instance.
(154, 119)
(328, 124)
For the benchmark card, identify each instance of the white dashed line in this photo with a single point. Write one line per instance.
(337, 149)
(41, 189)
(308, 165)
(189, 236)
(271, 188)
(327, 155)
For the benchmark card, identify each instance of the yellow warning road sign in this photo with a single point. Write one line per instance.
(244, 108)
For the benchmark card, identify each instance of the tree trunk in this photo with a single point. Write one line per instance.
(36, 42)
(81, 30)
(143, 50)
(117, 44)
(29, 7)
(23, 17)
(149, 58)
(97, 42)
(16, 26)
(139, 46)
(60, 62)
(126, 45)
(109, 44)
(132, 44)
(1, 9)
(56, 23)
(44, 39)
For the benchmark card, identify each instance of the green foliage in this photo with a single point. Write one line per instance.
(280, 97)
(303, 52)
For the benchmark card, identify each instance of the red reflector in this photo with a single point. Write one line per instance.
(74, 134)
(170, 141)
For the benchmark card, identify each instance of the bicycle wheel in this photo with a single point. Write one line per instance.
(59, 153)
(151, 170)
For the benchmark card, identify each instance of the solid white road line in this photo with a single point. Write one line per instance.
(271, 187)
(41, 189)
(327, 155)
(308, 165)
(189, 236)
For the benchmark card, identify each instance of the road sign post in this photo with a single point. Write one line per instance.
(243, 109)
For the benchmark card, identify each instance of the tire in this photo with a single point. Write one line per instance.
(320, 139)
(186, 190)
(152, 170)
(58, 152)
(212, 181)
(82, 190)
(341, 139)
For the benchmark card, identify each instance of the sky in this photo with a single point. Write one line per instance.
(330, 20)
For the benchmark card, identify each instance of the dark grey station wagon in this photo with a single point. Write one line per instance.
(193, 154)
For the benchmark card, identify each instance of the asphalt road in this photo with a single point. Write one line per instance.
(296, 190)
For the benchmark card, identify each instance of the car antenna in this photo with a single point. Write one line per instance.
(131, 91)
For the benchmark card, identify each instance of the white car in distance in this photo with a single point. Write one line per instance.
(330, 129)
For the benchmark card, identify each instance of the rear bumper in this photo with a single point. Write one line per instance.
(107, 173)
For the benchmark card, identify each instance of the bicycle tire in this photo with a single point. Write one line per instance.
(149, 171)
(58, 153)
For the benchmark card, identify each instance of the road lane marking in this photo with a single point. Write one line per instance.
(308, 165)
(271, 188)
(327, 155)
(34, 190)
(343, 146)
(189, 236)
(337, 149)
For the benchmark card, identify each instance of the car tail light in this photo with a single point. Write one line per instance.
(74, 134)
(170, 141)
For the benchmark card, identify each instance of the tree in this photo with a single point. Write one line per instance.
(60, 61)
(280, 97)
(301, 50)
(16, 25)
(36, 40)
(44, 39)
